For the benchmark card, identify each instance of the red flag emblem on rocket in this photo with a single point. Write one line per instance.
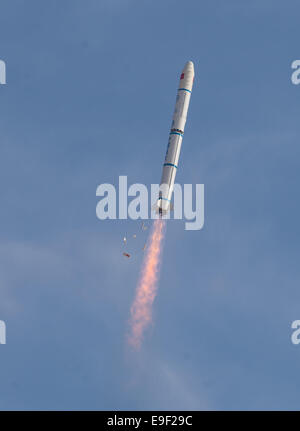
(182, 76)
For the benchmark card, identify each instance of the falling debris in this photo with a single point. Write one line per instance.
(143, 226)
(124, 239)
(134, 236)
(126, 254)
(144, 248)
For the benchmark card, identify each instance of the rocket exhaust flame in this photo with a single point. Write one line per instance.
(141, 309)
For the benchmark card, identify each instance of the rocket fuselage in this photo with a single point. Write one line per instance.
(175, 138)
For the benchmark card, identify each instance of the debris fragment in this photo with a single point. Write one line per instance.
(144, 248)
(126, 254)
(124, 239)
(134, 236)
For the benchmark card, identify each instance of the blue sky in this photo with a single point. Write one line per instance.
(90, 91)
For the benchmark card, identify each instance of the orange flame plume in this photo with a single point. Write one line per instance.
(141, 310)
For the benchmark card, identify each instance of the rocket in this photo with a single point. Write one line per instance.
(175, 138)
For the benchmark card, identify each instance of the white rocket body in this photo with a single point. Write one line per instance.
(175, 138)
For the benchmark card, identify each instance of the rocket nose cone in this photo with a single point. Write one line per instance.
(187, 76)
(189, 66)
